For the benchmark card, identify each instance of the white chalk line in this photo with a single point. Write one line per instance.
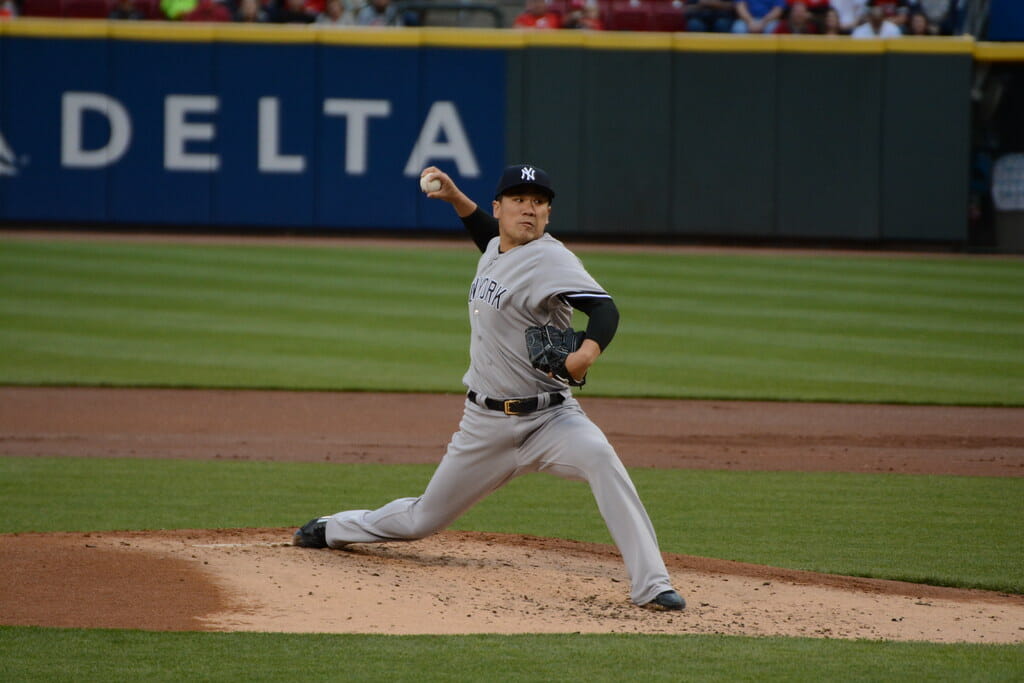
(240, 545)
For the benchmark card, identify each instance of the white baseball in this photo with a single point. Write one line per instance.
(429, 183)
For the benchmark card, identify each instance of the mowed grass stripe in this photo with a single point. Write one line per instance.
(652, 267)
(385, 259)
(172, 309)
(831, 294)
(866, 338)
(725, 326)
(751, 379)
(233, 339)
(896, 369)
(110, 654)
(100, 277)
(668, 314)
(111, 364)
(969, 276)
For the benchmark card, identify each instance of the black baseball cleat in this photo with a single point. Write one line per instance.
(313, 534)
(668, 600)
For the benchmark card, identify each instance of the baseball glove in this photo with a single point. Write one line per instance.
(548, 347)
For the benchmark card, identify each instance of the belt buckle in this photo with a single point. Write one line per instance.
(510, 406)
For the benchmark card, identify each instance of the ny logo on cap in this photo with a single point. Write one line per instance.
(528, 173)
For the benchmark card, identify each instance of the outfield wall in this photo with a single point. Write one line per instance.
(653, 134)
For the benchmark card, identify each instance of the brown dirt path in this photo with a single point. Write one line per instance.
(458, 582)
(354, 427)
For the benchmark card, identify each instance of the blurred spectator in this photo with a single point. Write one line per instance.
(816, 7)
(917, 25)
(125, 10)
(877, 26)
(851, 13)
(292, 12)
(537, 15)
(758, 16)
(894, 11)
(830, 25)
(376, 13)
(208, 10)
(583, 15)
(335, 14)
(710, 15)
(251, 12)
(798, 20)
(176, 9)
(940, 14)
(8, 10)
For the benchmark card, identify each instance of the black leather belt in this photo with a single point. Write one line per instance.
(516, 406)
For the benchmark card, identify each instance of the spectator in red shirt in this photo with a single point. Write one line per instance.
(798, 19)
(817, 8)
(894, 11)
(538, 15)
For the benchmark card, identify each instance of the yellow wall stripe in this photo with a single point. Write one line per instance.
(54, 28)
(832, 45)
(999, 52)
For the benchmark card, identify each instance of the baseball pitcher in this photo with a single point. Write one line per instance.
(520, 415)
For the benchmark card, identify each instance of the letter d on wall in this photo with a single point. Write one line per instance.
(73, 105)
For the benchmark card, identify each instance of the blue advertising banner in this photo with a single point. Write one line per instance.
(368, 116)
(269, 135)
(294, 134)
(170, 119)
(40, 182)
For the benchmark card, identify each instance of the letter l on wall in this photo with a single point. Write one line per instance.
(270, 158)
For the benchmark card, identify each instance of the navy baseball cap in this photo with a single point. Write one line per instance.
(524, 175)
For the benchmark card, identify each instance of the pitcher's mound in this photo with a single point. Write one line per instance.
(454, 582)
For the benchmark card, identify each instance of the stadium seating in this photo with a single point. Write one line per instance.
(618, 15)
(668, 15)
(150, 8)
(629, 15)
(42, 8)
(86, 9)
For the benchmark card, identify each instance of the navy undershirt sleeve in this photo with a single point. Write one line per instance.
(603, 317)
(482, 227)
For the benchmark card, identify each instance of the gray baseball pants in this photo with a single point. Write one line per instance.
(489, 450)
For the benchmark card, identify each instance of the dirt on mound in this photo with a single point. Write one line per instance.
(453, 583)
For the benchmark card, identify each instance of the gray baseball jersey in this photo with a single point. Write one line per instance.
(512, 291)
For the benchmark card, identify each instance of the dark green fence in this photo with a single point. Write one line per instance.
(738, 136)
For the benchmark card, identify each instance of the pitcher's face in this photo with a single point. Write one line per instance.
(522, 217)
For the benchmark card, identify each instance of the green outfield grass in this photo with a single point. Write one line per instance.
(28, 654)
(773, 327)
(842, 328)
